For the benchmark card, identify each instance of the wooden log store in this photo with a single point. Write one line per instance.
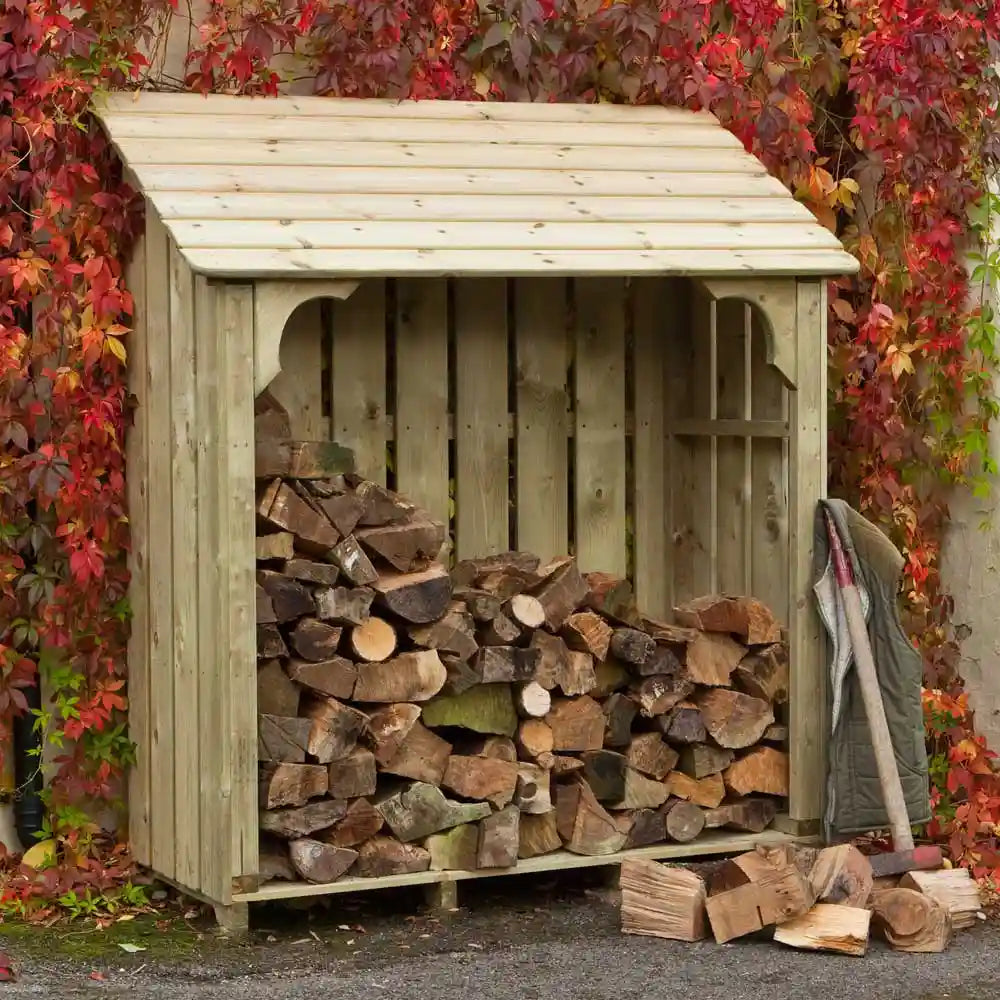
(585, 329)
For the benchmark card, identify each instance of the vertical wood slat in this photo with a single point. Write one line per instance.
(481, 418)
(299, 384)
(599, 438)
(542, 425)
(159, 566)
(358, 378)
(732, 479)
(215, 838)
(807, 686)
(237, 623)
(184, 518)
(654, 322)
(137, 480)
(422, 393)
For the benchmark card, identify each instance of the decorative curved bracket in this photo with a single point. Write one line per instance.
(776, 301)
(273, 302)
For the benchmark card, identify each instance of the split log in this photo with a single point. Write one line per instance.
(662, 660)
(456, 849)
(562, 766)
(553, 654)
(461, 676)
(745, 617)
(276, 694)
(290, 824)
(707, 792)
(482, 605)
(382, 506)
(273, 861)
(533, 792)
(422, 756)
(683, 821)
(576, 724)
(733, 719)
(609, 678)
(658, 694)
(307, 571)
(702, 759)
(485, 708)
(352, 776)
(588, 632)
(537, 835)
(335, 728)
(353, 563)
(414, 676)
(344, 606)
(344, 511)
(315, 640)
(763, 770)
(405, 546)
(911, 921)
(763, 673)
(283, 509)
(619, 711)
(578, 676)
(532, 700)
(631, 646)
(677, 636)
(280, 545)
(481, 779)
(498, 842)
(289, 598)
(388, 727)
(649, 755)
(383, 856)
(534, 737)
(452, 634)
(748, 816)
(776, 734)
(712, 658)
(282, 739)
(506, 664)
(495, 747)
(270, 644)
(361, 822)
(417, 810)
(955, 889)
(684, 724)
(335, 677)
(319, 862)
(663, 902)
(827, 927)
(841, 874)
(290, 784)
(469, 572)
(642, 827)
(270, 418)
(417, 598)
(265, 612)
(605, 772)
(374, 641)
(526, 612)
(301, 459)
(612, 596)
(500, 631)
(640, 792)
(583, 824)
(561, 593)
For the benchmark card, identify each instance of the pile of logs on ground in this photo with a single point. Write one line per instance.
(817, 900)
(411, 718)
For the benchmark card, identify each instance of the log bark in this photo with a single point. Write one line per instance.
(265, 612)
(382, 506)
(482, 605)
(632, 646)
(283, 509)
(352, 776)
(763, 770)
(648, 754)
(640, 792)
(417, 810)
(658, 694)
(683, 821)
(307, 571)
(532, 700)
(422, 756)
(605, 773)
(707, 792)
(712, 658)
(290, 784)
(335, 677)
(734, 720)
(270, 644)
(583, 824)
(538, 835)
(388, 727)
(763, 673)
(361, 822)
(279, 545)
(499, 839)
(506, 664)
(315, 640)
(455, 849)
(642, 827)
(534, 737)
(282, 739)
(500, 631)
(276, 694)
(955, 889)
(578, 676)
(289, 598)
(290, 824)
(405, 546)
(485, 708)
(684, 724)
(553, 654)
(344, 511)
(587, 632)
(481, 779)
(409, 677)
(576, 724)
(663, 902)
(273, 861)
(702, 759)
(354, 564)
(301, 459)
(335, 728)
(374, 641)
(619, 711)
(911, 921)
(383, 856)
(319, 862)
(610, 677)
(613, 597)
(827, 927)
(748, 816)
(417, 598)
(841, 874)
(343, 605)
(745, 617)
(454, 634)
(469, 572)
(561, 594)
(533, 791)
(461, 675)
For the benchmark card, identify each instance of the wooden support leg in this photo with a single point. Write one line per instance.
(234, 919)
(442, 896)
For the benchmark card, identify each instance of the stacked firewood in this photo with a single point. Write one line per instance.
(817, 900)
(412, 718)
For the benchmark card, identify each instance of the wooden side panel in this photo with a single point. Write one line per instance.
(654, 322)
(542, 424)
(599, 454)
(162, 813)
(237, 622)
(481, 418)
(807, 687)
(358, 367)
(184, 519)
(299, 384)
(137, 482)
(769, 476)
(422, 393)
(732, 453)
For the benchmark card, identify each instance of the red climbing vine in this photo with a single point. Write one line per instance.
(878, 114)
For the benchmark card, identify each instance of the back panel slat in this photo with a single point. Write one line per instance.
(542, 424)
(481, 418)
(358, 378)
(299, 384)
(422, 393)
(599, 455)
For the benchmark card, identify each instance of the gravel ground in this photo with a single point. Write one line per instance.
(526, 938)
